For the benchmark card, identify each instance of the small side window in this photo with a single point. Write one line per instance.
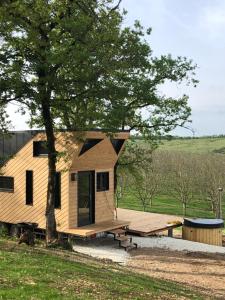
(117, 144)
(102, 181)
(88, 144)
(29, 187)
(6, 184)
(40, 148)
(57, 190)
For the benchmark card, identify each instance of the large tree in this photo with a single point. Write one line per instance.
(71, 64)
(52, 53)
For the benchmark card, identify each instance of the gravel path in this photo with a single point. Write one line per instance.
(104, 248)
(176, 244)
(107, 248)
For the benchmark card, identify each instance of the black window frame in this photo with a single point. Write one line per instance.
(57, 202)
(7, 189)
(117, 144)
(29, 187)
(89, 144)
(40, 149)
(102, 181)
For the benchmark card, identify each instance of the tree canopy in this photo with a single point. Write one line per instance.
(95, 72)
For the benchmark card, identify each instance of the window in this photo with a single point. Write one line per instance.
(6, 184)
(57, 190)
(102, 181)
(29, 187)
(117, 144)
(40, 148)
(88, 144)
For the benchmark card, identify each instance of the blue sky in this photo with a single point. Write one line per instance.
(195, 29)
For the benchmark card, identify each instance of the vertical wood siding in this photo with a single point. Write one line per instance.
(203, 235)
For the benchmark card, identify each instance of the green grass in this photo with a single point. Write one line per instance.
(165, 204)
(31, 274)
(201, 145)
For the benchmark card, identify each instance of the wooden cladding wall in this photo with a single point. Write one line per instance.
(100, 158)
(13, 208)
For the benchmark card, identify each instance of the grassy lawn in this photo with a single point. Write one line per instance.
(202, 145)
(165, 204)
(31, 274)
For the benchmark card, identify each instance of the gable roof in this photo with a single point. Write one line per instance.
(12, 143)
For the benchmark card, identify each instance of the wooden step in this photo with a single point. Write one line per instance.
(128, 245)
(117, 232)
(123, 238)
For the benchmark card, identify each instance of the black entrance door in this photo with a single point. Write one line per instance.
(86, 198)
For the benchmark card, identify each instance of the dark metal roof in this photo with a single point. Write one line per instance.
(35, 131)
(11, 143)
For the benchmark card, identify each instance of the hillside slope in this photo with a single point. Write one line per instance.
(42, 274)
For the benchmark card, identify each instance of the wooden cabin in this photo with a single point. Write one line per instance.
(84, 201)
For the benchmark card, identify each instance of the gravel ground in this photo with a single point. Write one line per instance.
(107, 248)
(203, 271)
(104, 248)
(176, 244)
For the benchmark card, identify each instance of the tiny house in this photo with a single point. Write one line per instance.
(84, 189)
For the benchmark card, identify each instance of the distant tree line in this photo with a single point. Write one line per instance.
(176, 137)
(187, 177)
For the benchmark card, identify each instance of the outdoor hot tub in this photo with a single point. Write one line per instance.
(208, 231)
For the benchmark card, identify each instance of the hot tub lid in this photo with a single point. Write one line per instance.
(204, 223)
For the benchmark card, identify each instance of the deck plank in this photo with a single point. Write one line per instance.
(92, 229)
(145, 223)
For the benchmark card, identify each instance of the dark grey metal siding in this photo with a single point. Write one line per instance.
(10, 144)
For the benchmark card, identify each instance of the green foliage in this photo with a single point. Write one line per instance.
(90, 70)
(3, 232)
(4, 120)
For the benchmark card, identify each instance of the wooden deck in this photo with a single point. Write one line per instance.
(89, 230)
(145, 223)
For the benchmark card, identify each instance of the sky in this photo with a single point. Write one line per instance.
(195, 29)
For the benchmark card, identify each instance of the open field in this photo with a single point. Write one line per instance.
(165, 204)
(42, 274)
(196, 145)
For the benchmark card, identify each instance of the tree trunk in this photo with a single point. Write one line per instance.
(184, 209)
(45, 78)
(150, 202)
(51, 233)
